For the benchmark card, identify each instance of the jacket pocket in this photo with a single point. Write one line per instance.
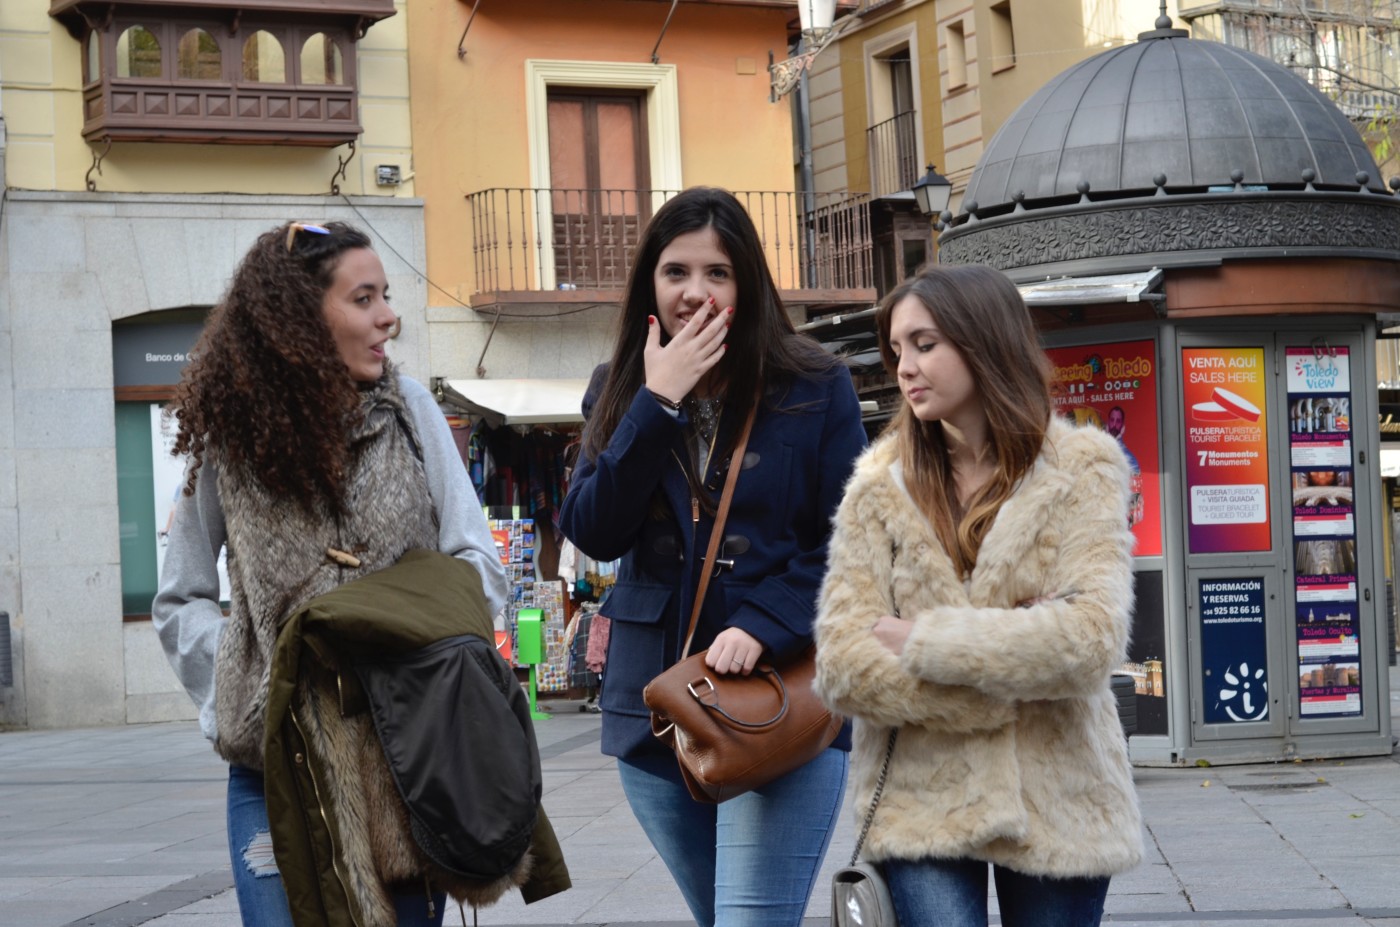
(636, 644)
(637, 603)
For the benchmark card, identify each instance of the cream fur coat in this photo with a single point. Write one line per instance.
(1010, 748)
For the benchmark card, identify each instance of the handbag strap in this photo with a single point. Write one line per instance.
(717, 533)
(875, 800)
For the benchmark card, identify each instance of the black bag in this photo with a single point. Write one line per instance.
(456, 731)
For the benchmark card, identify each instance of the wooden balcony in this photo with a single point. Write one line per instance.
(536, 248)
(160, 110)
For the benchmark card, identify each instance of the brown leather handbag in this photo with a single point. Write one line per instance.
(734, 733)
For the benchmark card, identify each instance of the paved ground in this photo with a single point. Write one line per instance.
(116, 827)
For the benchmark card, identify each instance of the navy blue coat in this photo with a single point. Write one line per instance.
(805, 440)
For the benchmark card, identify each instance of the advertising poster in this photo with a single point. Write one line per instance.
(1234, 652)
(1114, 387)
(168, 482)
(1227, 454)
(1324, 531)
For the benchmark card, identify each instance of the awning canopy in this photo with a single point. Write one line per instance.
(519, 402)
(1079, 291)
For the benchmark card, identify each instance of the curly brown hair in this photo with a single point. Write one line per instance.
(267, 389)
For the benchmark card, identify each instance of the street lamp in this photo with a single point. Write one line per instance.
(816, 17)
(932, 192)
(819, 29)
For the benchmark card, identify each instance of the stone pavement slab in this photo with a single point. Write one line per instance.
(118, 827)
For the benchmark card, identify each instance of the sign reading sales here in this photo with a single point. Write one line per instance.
(1227, 453)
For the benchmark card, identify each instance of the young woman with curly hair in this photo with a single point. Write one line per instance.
(977, 601)
(314, 462)
(704, 339)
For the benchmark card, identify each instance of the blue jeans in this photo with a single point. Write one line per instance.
(750, 861)
(262, 901)
(953, 893)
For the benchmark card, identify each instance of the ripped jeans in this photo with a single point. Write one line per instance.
(262, 902)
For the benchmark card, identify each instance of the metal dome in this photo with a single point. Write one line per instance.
(1195, 111)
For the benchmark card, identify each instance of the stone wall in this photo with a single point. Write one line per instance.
(70, 265)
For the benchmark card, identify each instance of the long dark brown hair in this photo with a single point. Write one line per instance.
(762, 348)
(981, 314)
(267, 389)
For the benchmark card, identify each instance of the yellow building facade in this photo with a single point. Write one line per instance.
(948, 73)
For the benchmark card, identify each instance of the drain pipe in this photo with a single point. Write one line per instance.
(806, 172)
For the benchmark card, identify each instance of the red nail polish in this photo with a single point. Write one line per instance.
(730, 310)
(651, 320)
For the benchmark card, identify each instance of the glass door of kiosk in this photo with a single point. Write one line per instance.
(1281, 609)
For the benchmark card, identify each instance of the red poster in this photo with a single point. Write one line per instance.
(1227, 449)
(1114, 387)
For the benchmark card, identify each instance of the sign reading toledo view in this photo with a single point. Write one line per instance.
(1227, 455)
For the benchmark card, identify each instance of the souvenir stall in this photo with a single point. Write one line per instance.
(1206, 247)
(517, 438)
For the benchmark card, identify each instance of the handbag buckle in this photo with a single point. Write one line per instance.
(690, 687)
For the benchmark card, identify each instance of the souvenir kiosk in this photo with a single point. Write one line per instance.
(1206, 244)
(517, 439)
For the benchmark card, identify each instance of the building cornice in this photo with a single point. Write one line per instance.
(1178, 231)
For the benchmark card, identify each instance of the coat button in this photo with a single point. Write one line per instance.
(300, 760)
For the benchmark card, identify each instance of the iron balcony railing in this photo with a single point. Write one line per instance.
(894, 157)
(534, 238)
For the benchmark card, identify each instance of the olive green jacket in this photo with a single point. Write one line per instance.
(425, 597)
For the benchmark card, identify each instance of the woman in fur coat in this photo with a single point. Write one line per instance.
(977, 600)
(313, 462)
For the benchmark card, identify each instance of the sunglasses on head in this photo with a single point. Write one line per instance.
(294, 227)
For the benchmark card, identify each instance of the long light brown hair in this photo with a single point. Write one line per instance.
(981, 314)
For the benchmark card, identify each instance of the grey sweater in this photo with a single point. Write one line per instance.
(186, 611)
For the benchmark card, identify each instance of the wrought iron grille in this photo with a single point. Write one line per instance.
(539, 238)
(894, 159)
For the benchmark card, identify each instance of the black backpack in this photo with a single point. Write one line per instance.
(456, 731)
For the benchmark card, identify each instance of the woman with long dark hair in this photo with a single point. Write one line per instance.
(703, 341)
(977, 602)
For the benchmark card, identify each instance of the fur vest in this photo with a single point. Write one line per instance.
(1010, 749)
(277, 560)
(277, 555)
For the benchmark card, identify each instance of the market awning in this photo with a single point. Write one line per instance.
(1080, 291)
(519, 402)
